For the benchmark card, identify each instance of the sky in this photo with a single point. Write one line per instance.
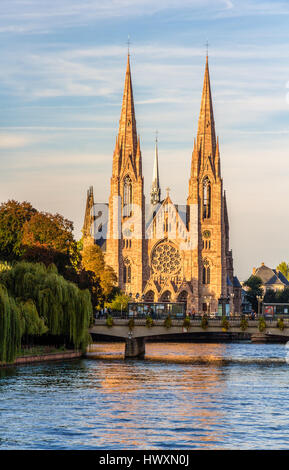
(61, 83)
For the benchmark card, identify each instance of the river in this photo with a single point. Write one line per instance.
(181, 396)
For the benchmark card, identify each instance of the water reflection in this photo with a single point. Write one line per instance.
(174, 398)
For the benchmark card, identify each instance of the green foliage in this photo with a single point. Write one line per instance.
(186, 322)
(284, 268)
(31, 323)
(149, 322)
(280, 324)
(244, 324)
(109, 321)
(262, 324)
(47, 302)
(4, 266)
(131, 324)
(282, 296)
(225, 324)
(168, 322)
(254, 284)
(10, 327)
(204, 322)
(119, 303)
(270, 296)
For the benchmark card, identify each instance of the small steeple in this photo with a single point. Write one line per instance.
(217, 160)
(155, 189)
(206, 138)
(88, 227)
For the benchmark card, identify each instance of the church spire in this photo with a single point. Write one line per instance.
(206, 138)
(127, 124)
(155, 189)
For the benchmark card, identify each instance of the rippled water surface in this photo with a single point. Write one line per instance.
(181, 396)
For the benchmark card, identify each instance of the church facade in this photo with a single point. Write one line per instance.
(161, 251)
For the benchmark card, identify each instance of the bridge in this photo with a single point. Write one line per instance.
(136, 335)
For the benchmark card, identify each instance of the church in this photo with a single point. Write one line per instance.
(161, 251)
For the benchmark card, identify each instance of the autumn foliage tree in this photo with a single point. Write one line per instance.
(48, 238)
(13, 216)
(26, 233)
(103, 277)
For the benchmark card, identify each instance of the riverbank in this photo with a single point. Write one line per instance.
(43, 357)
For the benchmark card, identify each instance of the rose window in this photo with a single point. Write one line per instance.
(165, 259)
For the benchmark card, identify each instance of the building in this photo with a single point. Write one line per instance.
(272, 279)
(164, 252)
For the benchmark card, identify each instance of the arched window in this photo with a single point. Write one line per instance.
(206, 272)
(166, 297)
(206, 198)
(127, 197)
(149, 296)
(127, 272)
(183, 296)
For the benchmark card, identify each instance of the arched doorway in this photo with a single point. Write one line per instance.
(183, 297)
(166, 296)
(149, 296)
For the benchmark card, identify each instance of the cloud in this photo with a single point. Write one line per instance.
(13, 141)
(33, 16)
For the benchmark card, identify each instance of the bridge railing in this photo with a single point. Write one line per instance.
(195, 320)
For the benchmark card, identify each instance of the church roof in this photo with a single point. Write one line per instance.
(270, 276)
(236, 282)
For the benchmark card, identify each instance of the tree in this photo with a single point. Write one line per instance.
(254, 284)
(48, 238)
(284, 268)
(119, 302)
(13, 215)
(270, 296)
(103, 277)
(282, 296)
(48, 230)
(42, 300)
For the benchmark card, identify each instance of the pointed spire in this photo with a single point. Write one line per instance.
(155, 189)
(87, 229)
(195, 160)
(206, 137)
(127, 124)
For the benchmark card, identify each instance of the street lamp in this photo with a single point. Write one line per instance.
(207, 302)
(232, 302)
(260, 299)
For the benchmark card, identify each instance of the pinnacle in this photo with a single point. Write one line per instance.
(206, 126)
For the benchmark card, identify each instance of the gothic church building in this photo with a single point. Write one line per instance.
(160, 251)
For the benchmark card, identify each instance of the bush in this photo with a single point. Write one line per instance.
(280, 324)
(149, 322)
(204, 322)
(225, 324)
(131, 324)
(168, 322)
(186, 323)
(262, 324)
(244, 324)
(109, 321)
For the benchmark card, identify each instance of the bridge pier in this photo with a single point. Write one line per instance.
(134, 347)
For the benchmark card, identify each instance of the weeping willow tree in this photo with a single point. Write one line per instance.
(10, 327)
(48, 303)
